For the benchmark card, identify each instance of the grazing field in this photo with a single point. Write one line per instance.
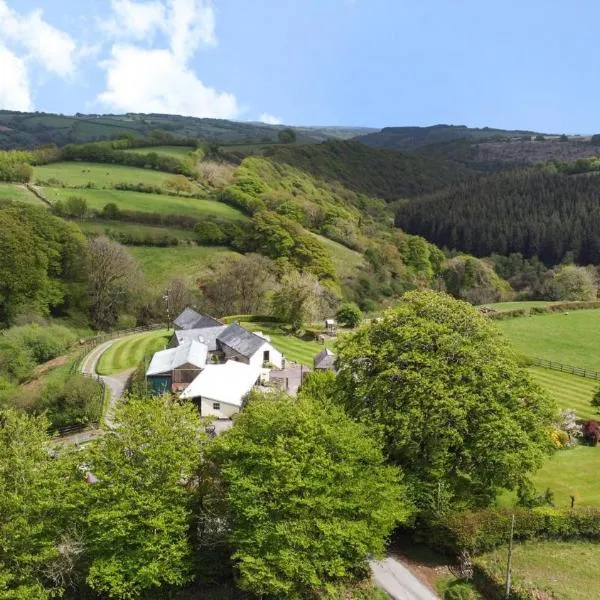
(565, 570)
(79, 174)
(526, 304)
(129, 352)
(569, 391)
(171, 151)
(345, 261)
(106, 227)
(10, 191)
(572, 339)
(155, 203)
(292, 347)
(160, 265)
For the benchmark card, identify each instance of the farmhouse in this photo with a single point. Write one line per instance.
(190, 319)
(176, 368)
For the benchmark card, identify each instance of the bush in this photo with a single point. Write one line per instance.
(349, 314)
(591, 432)
(42, 343)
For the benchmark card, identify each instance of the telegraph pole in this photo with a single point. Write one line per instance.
(509, 562)
(166, 299)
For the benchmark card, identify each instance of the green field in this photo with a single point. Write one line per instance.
(569, 391)
(156, 203)
(10, 191)
(572, 339)
(292, 347)
(506, 306)
(129, 352)
(104, 227)
(79, 174)
(565, 570)
(172, 151)
(345, 261)
(160, 265)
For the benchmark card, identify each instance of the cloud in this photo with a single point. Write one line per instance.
(14, 83)
(269, 119)
(160, 79)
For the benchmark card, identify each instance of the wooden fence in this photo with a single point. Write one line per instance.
(556, 366)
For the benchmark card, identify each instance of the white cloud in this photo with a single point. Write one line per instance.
(269, 119)
(142, 79)
(14, 83)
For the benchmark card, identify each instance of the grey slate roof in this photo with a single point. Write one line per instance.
(190, 319)
(207, 336)
(325, 359)
(166, 360)
(237, 338)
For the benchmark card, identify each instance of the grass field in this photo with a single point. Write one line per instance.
(172, 151)
(160, 265)
(129, 352)
(292, 347)
(572, 339)
(345, 261)
(565, 570)
(79, 174)
(505, 306)
(9, 191)
(158, 203)
(103, 227)
(569, 391)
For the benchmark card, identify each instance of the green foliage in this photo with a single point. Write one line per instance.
(297, 299)
(139, 510)
(15, 166)
(287, 135)
(308, 494)
(457, 413)
(569, 282)
(349, 314)
(210, 234)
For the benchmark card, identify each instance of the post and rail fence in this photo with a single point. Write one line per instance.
(556, 366)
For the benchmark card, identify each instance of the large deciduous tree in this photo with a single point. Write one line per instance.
(298, 299)
(309, 496)
(139, 509)
(458, 414)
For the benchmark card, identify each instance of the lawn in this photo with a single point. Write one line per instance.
(129, 352)
(569, 391)
(292, 347)
(572, 338)
(565, 570)
(160, 265)
(155, 203)
(171, 151)
(506, 306)
(79, 174)
(9, 191)
(105, 227)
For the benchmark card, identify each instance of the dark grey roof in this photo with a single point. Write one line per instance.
(325, 359)
(190, 319)
(241, 340)
(207, 335)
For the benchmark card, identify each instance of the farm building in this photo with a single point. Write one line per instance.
(324, 361)
(176, 368)
(219, 390)
(190, 319)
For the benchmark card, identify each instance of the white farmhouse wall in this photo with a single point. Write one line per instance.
(275, 357)
(226, 411)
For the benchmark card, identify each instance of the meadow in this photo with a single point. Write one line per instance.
(160, 265)
(526, 304)
(129, 352)
(155, 203)
(571, 339)
(171, 151)
(10, 191)
(102, 227)
(565, 570)
(345, 260)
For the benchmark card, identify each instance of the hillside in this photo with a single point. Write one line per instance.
(28, 130)
(536, 212)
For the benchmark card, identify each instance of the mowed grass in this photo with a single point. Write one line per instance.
(569, 391)
(571, 339)
(565, 570)
(292, 347)
(79, 174)
(154, 203)
(10, 191)
(106, 227)
(160, 265)
(506, 306)
(171, 151)
(129, 352)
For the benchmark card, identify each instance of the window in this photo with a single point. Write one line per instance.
(266, 356)
(216, 406)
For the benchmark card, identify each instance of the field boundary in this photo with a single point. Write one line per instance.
(557, 366)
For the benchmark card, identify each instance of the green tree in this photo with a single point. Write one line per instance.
(75, 207)
(309, 497)
(110, 211)
(179, 184)
(140, 508)
(287, 136)
(297, 300)
(458, 414)
(569, 282)
(349, 314)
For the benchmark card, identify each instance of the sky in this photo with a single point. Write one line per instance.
(527, 64)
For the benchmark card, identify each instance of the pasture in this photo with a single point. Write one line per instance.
(78, 174)
(526, 304)
(571, 339)
(129, 352)
(345, 261)
(18, 193)
(180, 152)
(123, 227)
(160, 265)
(565, 570)
(154, 203)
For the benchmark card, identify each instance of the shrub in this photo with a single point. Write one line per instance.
(591, 432)
(209, 233)
(349, 314)
(42, 343)
(110, 212)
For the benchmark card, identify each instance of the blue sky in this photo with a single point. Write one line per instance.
(527, 64)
